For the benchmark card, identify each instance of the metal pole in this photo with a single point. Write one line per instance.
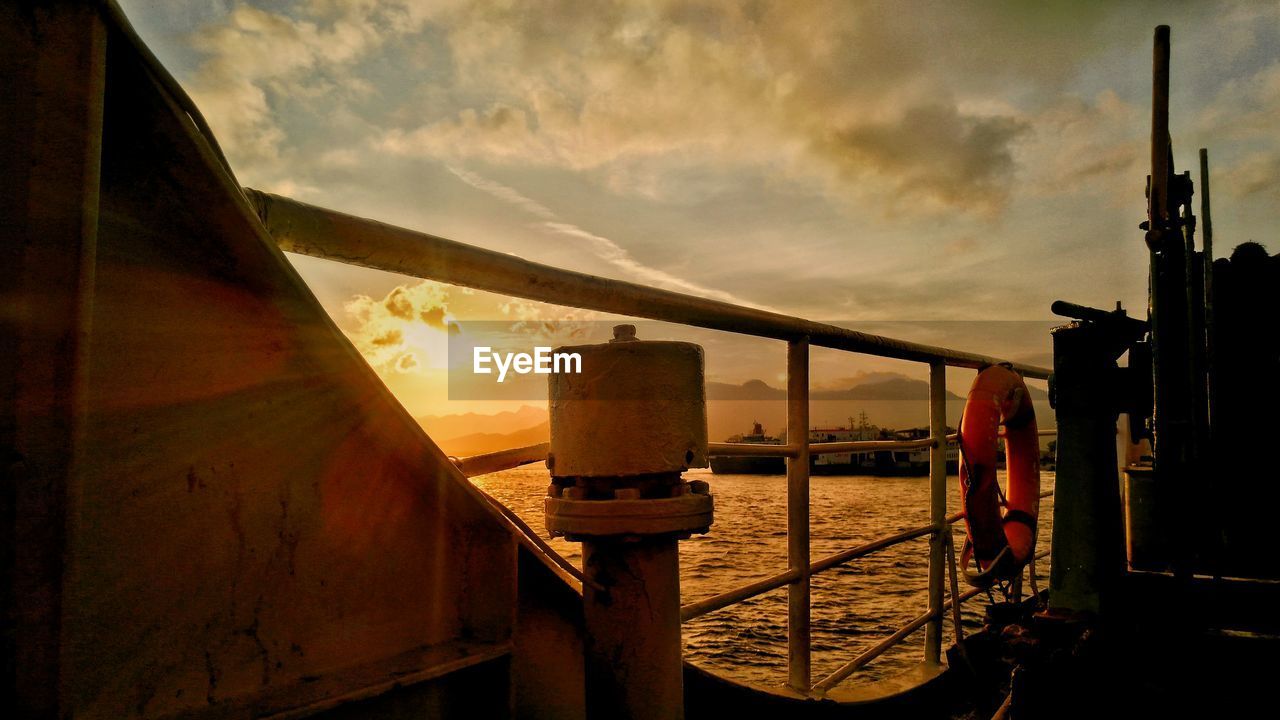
(937, 508)
(1170, 319)
(1206, 239)
(622, 432)
(1159, 209)
(1088, 539)
(798, 631)
(1206, 219)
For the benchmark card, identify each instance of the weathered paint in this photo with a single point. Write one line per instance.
(636, 408)
(52, 68)
(216, 508)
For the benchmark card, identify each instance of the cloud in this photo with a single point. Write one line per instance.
(504, 193)
(403, 331)
(1247, 109)
(1254, 174)
(600, 246)
(1097, 147)
(636, 89)
(932, 152)
(254, 61)
(407, 330)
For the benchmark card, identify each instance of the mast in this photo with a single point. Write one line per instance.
(1177, 334)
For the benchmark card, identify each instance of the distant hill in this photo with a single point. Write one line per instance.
(880, 386)
(448, 427)
(900, 388)
(481, 442)
(894, 400)
(749, 390)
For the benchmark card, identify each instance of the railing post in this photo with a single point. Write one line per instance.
(937, 508)
(798, 514)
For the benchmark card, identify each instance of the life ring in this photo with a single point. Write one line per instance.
(1001, 526)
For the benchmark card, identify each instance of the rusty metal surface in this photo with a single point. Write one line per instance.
(691, 513)
(52, 67)
(486, 463)
(633, 665)
(253, 525)
(636, 408)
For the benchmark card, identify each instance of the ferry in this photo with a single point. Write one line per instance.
(750, 465)
(909, 459)
(214, 508)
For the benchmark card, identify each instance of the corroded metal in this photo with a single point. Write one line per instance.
(683, 514)
(637, 408)
(622, 431)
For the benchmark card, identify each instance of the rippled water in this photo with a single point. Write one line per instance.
(854, 605)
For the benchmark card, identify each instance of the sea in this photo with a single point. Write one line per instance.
(853, 606)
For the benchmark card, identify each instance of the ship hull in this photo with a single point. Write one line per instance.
(748, 465)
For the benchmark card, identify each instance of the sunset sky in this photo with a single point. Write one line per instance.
(848, 162)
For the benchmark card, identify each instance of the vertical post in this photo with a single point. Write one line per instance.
(937, 508)
(798, 675)
(1175, 426)
(1206, 240)
(1088, 538)
(622, 432)
(1206, 219)
(1158, 209)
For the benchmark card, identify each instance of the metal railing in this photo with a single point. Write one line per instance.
(318, 232)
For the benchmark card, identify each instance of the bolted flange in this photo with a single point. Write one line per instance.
(622, 431)
(576, 513)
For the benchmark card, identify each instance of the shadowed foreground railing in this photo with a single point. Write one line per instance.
(331, 235)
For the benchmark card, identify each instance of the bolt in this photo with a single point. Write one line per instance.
(574, 493)
(699, 487)
(626, 494)
(624, 333)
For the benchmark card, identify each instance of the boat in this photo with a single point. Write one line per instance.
(214, 508)
(909, 459)
(749, 464)
(889, 462)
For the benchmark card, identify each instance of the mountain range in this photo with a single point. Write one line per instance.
(475, 433)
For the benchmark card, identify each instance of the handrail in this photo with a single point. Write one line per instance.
(845, 556)
(759, 587)
(725, 449)
(872, 653)
(737, 595)
(319, 232)
(483, 464)
(493, 462)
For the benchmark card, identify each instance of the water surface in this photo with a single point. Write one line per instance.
(854, 605)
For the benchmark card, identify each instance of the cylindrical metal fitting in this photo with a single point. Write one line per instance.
(622, 431)
(637, 408)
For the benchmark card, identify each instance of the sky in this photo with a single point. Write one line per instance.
(868, 164)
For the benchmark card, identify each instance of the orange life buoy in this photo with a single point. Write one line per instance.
(1001, 527)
